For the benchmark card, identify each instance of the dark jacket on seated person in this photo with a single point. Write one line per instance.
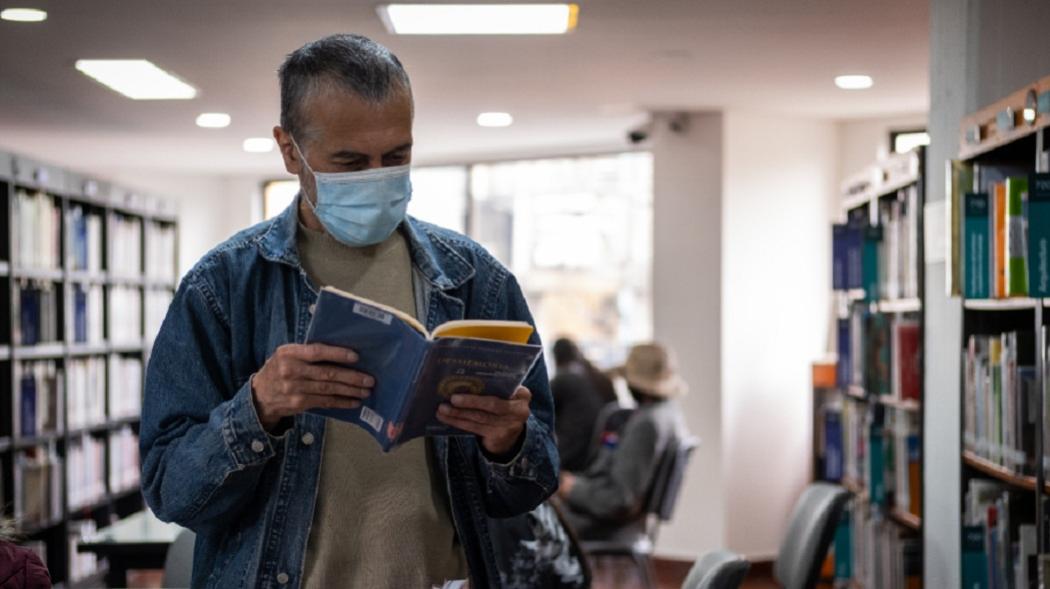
(21, 569)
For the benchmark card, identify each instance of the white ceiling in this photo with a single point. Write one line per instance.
(568, 93)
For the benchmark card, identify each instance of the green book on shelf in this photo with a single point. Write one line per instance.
(974, 559)
(1016, 239)
(1039, 235)
(977, 251)
(870, 261)
(876, 466)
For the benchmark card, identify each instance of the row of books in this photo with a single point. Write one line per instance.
(160, 251)
(881, 450)
(880, 353)
(37, 231)
(125, 386)
(1005, 231)
(81, 564)
(85, 239)
(86, 398)
(125, 246)
(85, 308)
(882, 259)
(123, 459)
(999, 538)
(86, 472)
(125, 314)
(1001, 403)
(875, 552)
(38, 398)
(36, 305)
(38, 486)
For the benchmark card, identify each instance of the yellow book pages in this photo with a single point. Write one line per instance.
(410, 320)
(516, 332)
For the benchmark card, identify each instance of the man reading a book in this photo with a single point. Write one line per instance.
(278, 496)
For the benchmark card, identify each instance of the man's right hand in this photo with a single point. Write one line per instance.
(298, 377)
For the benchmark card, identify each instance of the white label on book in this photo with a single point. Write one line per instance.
(371, 418)
(373, 314)
(936, 237)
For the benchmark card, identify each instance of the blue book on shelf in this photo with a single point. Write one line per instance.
(1039, 235)
(977, 251)
(870, 255)
(974, 558)
(833, 457)
(27, 405)
(79, 314)
(29, 315)
(416, 371)
(854, 256)
(844, 365)
(843, 548)
(839, 239)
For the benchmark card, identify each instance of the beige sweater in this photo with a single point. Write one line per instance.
(380, 520)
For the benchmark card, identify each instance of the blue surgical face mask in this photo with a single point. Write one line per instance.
(361, 208)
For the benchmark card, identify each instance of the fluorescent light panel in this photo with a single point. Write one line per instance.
(23, 15)
(854, 82)
(258, 145)
(213, 120)
(137, 79)
(495, 119)
(479, 19)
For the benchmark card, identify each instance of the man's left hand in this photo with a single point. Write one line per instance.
(499, 423)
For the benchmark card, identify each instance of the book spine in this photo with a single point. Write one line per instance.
(1039, 235)
(977, 241)
(839, 238)
(1016, 246)
(999, 236)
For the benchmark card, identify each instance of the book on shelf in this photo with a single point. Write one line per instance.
(997, 208)
(844, 360)
(125, 386)
(854, 249)
(82, 564)
(870, 261)
(37, 404)
(878, 355)
(36, 226)
(833, 458)
(36, 305)
(1038, 221)
(85, 310)
(905, 462)
(85, 471)
(125, 246)
(906, 364)
(85, 392)
(123, 459)
(160, 251)
(38, 486)
(998, 536)
(84, 239)
(125, 314)
(977, 237)
(416, 370)
(959, 180)
(899, 249)
(882, 554)
(1016, 238)
(839, 238)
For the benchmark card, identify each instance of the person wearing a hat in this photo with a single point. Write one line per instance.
(611, 494)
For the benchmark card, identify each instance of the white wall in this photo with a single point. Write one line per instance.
(777, 209)
(861, 141)
(687, 314)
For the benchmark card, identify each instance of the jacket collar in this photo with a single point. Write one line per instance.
(433, 255)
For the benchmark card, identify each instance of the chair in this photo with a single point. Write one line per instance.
(638, 542)
(611, 418)
(178, 564)
(718, 569)
(809, 535)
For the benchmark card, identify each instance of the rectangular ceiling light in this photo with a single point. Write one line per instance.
(479, 19)
(137, 79)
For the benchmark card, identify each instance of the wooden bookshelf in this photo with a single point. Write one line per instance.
(69, 191)
(906, 519)
(998, 472)
(1007, 121)
(1014, 304)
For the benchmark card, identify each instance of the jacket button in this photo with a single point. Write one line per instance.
(258, 446)
(308, 438)
(282, 578)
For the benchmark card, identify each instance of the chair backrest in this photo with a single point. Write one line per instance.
(809, 535)
(178, 564)
(611, 417)
(718, 569)
(670, 472)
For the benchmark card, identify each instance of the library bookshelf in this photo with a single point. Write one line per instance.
(874, 413)
(87, 271)
(1004, 491)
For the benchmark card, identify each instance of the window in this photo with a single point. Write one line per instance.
(905, 141)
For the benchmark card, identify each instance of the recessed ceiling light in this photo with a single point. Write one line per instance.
(258, 145)
(854, 82)
(495, 119)
(479, 19)
(213, 120)
(23, 15)
(137, 79)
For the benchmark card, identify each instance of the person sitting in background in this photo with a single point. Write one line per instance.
(20, 568)
(613, 491)
(580, 391)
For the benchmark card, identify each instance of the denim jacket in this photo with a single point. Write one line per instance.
(208, 464)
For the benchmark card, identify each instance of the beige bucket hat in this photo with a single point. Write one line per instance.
(651, 369)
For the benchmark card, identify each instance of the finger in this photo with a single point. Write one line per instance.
(327, 402)
(522, 394)
(473, 416)
(335, 373)
(465, 425)
(318, 353)
(331, 389)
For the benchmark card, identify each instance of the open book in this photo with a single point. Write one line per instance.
(415, 371)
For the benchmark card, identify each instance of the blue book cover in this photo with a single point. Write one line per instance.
(79, 314)
(977, 239)
(974, 558)
(833, 458)
(415, 371)
(27, 405)
(854, 255)
(844, 366)
(839, 238)
(1039, 235)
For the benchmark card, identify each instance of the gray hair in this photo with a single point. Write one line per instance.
(349, 62)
